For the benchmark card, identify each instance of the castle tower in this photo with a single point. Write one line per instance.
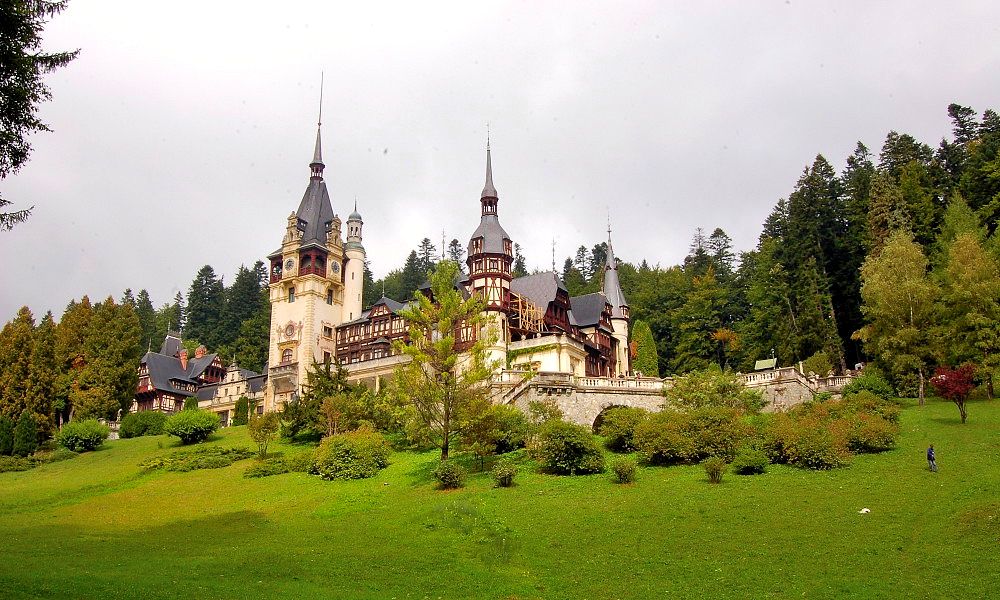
(307, 289)
(354, 268)
(490, 258)
(619, 311)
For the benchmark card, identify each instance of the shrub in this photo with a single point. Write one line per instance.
(663, 439)
(81, 436)
(206, 457)
(450, 475)
(137, 424)
(618, 428)
(241, 411)
(25, 435)
(713, 387)
(513, 428)
(624, 469)
(192, 425)
(6, 435)
(57, 455)
(870, 433)
(818, 363)
(503, 473)
(867, 402)
(716, 431)
(872, 380)
(300, 463)
(353, 455)
(749, 461)
(191, 403)
(262, 429)
(714, 468)
(15, 463)
(568, 449)
(266, 468)
(816, 444)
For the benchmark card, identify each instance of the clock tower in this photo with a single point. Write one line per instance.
(308, 291)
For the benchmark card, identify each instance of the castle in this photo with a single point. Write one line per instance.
(316, 287)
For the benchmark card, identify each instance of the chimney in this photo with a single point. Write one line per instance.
(184, 359)
(201, 351)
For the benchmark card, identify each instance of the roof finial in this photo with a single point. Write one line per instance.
(319, 120)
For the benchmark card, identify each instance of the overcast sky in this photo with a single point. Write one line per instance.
(182, 133)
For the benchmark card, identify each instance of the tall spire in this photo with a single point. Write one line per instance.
(612, 287)
(316, 166)
(488, 190)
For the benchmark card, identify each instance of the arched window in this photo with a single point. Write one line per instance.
(286, 355)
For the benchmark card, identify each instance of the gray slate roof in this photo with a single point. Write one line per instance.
(315, 212)
(492, 233)
(171, 344)
(540, 288)
(587, 308)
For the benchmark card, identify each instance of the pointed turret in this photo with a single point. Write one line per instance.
(316, 166)
(490, 249)
(612, 287)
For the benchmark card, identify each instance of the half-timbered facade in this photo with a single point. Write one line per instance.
(167, 378)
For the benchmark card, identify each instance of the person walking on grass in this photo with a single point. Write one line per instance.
(930, 458)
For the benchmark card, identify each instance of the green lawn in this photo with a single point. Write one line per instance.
(96, 526)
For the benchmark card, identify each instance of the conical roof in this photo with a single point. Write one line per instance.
(612, 287)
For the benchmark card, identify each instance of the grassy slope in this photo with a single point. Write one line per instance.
(96, 526)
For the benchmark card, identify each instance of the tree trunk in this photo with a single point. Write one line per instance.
(921, 392)
(961, 409)
(989, 386)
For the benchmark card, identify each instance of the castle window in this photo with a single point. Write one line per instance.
(327, 331)
(286, 355)
(329, 296)
(326, 357)
(291, 294)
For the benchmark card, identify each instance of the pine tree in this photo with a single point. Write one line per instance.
(42, 376)
(16, 343)
(696, 321)
(426, 255)
(646, 360)
(25, 435)
(71, 333)
(205, 307)
(581, 263)
(964, 125)
(447, 394)
(111, 352)
(720, 248)
(456, 252)
(520, 269)
(242, 301)
(147, 317)
(21, 86)
(6, 435)
(698, 261)
(412, 277)
(251, 345)
(888, 212)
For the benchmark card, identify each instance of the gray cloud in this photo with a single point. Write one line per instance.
(186, 141)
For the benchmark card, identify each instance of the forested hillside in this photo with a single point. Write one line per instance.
(893, 259)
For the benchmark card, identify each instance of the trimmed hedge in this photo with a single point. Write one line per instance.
(568, 449)
(194, 425)
(81, 436)
(353, 455)
(138, 424)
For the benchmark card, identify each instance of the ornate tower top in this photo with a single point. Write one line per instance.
(316, 166)
(489, 237)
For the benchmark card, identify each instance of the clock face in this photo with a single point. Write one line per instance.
(289, 264)
(335, 267)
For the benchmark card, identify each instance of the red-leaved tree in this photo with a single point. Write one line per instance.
(955, 384)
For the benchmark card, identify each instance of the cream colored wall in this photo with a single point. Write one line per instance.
(620, 328)
(354, 281)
